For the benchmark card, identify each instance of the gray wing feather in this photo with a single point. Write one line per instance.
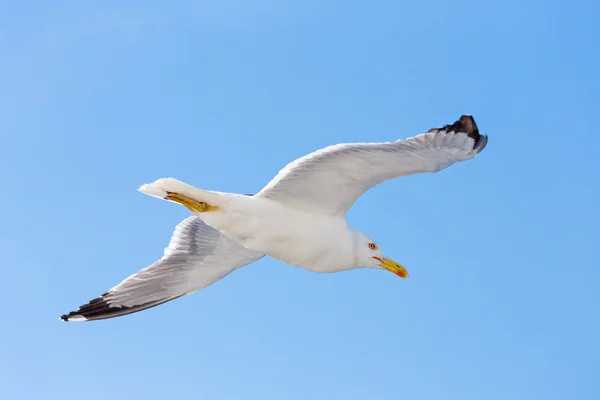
(197, 256)
(329, 181)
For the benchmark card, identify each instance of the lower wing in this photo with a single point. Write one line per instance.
(196, 257)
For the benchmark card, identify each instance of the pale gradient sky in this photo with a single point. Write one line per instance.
(502, 302)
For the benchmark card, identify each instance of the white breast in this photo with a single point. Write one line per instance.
(295, 237)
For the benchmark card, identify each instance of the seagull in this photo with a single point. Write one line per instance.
(298, 218)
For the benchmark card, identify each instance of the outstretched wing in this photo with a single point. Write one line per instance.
(197, 256)
(330, 180)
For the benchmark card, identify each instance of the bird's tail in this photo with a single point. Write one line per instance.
(165, 187)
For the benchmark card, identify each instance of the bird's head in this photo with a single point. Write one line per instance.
(369, 255)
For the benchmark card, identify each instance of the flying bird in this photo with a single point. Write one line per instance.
(298, 218)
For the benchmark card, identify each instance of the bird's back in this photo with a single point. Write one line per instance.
(313, 242)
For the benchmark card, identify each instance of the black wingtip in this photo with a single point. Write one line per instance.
(99, 308)
(466, 124)
(88, 311)
(73, 316)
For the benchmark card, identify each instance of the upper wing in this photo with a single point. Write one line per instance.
(330, 180)
(197, 256)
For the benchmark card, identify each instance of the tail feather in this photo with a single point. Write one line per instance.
(161, 187)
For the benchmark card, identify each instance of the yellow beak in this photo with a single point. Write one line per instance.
(393, 266)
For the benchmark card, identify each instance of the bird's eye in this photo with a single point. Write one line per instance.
(372, 246)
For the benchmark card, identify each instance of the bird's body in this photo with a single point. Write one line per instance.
(314, 242)
(297, 218)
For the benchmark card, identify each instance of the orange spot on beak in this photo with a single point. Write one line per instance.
(393, 266)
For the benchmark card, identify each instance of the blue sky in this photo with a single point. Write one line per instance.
(502, 301)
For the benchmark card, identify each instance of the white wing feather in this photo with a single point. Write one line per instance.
(328, 181)
(196, 257)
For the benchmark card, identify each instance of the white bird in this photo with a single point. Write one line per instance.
(298, 218)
